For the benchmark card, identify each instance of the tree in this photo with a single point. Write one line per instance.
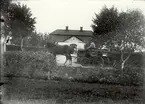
(130, 33)
(103, 24)
(19, 21)
(125, 34)
(46, 37)
(106, 21)
(37, 39)
(34, 39)
(4, 4)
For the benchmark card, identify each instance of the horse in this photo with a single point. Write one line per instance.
(65, 50)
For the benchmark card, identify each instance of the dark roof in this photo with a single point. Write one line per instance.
(72, 32)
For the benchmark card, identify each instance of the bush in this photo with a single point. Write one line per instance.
(136, 59)
(18, 48)
(38, 64)
(129, 76)
(28, 64)
(13, 48)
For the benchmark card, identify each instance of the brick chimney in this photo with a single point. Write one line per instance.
(66, 28)
(81, 28)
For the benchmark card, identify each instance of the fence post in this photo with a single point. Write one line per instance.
(3, 49)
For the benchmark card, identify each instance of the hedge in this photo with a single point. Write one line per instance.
(13, 48)
(28, 64)
(18, 48)
(127, 77)
(136, 59)
(38, 64)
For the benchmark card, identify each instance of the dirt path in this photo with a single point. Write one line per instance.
(60, 59)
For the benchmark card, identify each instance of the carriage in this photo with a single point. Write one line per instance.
(84, 57)
(93, 57)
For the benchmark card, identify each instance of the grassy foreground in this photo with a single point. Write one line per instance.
(32, 91)
(68, 85)
(50, 101)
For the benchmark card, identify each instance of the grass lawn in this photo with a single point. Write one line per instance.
(50, 101)
(32, 91)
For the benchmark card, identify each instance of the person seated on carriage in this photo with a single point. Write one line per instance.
(91, 46)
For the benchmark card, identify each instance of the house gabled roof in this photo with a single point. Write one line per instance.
(72, 32)
(73, 39)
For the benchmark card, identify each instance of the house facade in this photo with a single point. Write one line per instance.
(66, 36)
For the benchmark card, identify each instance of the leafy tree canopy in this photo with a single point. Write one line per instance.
(4, 4)
(19, 20)
(131, 31)
(123, 31)
(106, 21)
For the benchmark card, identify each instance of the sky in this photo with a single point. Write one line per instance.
(57, 14)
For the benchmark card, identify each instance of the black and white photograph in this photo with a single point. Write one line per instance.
(72, 51)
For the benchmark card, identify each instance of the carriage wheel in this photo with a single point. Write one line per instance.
(100, 61)
(93, 61)
(85, 61)
(96, 61)
(107, 61)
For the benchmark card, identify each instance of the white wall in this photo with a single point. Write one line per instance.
(73, 40)
(79, 45)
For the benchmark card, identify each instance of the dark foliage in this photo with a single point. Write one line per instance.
(28, 64)
(18, 48)
(106, 21)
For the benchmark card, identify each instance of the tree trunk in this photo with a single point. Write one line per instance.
(122, 65)
(124, 60)
(49, 74)
(114, 63)
(102, 62)
(22, 44)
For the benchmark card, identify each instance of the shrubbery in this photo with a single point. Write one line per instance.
(18, 48)
(28, 64)
(136, 59)
(129, 76)
(38, 64)
(13, 48)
